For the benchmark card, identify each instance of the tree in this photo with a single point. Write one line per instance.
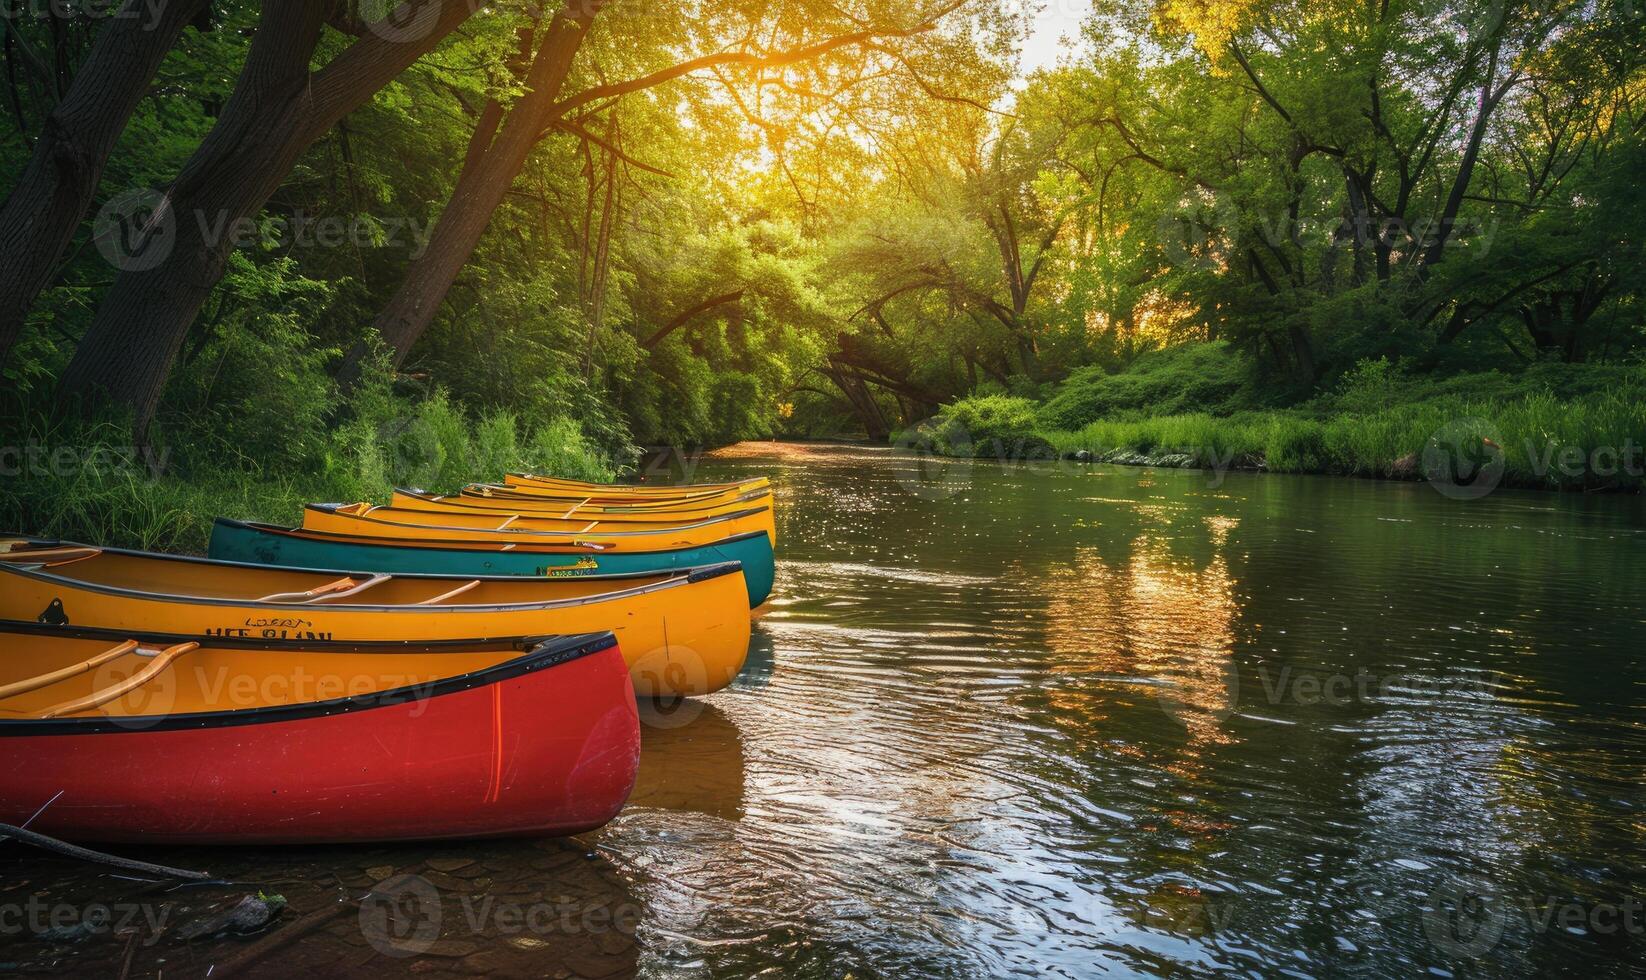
(482, 187)
(52, 195)
(279, 108)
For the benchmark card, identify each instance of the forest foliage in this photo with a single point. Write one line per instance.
(298, 230)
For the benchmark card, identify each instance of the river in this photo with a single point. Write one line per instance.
(1073, 720)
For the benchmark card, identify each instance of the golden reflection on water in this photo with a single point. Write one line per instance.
(1155, 617)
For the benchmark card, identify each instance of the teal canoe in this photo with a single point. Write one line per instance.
(268, 544)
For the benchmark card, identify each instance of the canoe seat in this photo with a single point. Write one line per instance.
(450, 595)
(162, 660)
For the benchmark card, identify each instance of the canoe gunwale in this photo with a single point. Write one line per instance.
(631, 505)
(337, 510)
(417, 576)
(674, 580)
(480, 545)
(464, 500)
(663, 487)
(542, 653)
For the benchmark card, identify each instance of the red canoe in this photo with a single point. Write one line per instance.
(150, 739)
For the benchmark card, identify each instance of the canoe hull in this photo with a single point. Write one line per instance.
(357, 520)
(260, 545)
(685, 639)
(546, 753)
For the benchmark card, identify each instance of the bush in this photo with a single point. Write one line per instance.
(996, 426)
(1210, 377)
(84, 484)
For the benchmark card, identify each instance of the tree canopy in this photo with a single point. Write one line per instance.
(690, 224)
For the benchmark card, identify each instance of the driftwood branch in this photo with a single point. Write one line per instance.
(56, 846)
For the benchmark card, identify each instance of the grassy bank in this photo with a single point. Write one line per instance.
(1562, 428)
(82, 483)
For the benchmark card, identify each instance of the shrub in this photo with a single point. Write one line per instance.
(997, 426)
(1209, 377)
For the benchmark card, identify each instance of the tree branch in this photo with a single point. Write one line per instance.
(749, 59)
(572, 127)
(651, 342)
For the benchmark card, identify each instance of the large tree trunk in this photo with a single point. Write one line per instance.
(277, 110)
(480, 189)
(51, 197)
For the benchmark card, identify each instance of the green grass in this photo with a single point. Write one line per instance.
(81, 484)
(1377, 423)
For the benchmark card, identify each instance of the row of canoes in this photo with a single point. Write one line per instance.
(443, 666)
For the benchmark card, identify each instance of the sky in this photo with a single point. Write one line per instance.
(1054, 20)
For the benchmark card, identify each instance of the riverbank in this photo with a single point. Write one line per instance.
(1515, 431)
(87, 483)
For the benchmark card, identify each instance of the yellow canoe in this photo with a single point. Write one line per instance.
(531, 515)
(559, 483)
(582, 497)
(682, 633)
(389, 522)
(579, 507)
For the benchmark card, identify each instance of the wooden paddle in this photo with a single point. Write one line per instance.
(120, 689)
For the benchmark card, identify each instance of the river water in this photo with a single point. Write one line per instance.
(1073, 721)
